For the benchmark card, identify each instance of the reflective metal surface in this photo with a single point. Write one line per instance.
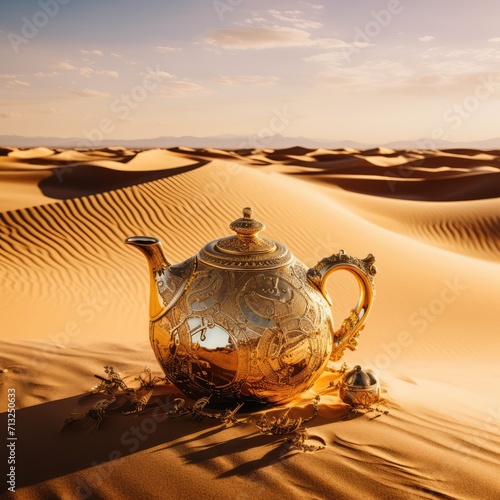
(359, 388)
(244, 320)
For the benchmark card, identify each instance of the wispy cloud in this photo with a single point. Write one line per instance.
(262, 81)
(180, 88)
(328, 58)
(296, 18)
(258, 38)
(164, 49)
(17, 83)
(426, 38)
(87, 72)
(170, 85)
(374, 75)
(90, 93)
(433, 84)
(483, 54)
(10, 114)
(455, 67)
(46, 75)
(494, 40)
(255, 20)
(64, 65)
(435, 71)
(315, 6)
(94, 52)
(14, 80)
(106, 72)
(157, 73)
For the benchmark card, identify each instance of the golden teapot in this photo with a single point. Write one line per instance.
(244, 320)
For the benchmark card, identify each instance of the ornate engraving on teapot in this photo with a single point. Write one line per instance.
(244, 320)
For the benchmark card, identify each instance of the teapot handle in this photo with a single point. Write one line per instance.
(363, 270)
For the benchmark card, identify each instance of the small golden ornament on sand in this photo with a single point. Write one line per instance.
(244, 320)
(360, 389)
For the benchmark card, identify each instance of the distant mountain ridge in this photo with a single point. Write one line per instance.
(221, 142)
(236, 142)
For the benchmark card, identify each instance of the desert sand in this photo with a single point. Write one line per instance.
(74, 298)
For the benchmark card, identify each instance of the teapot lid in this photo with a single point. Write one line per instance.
(245, 250)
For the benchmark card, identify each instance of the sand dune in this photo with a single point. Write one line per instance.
(471, 228)
(74, 298)
(30, 153)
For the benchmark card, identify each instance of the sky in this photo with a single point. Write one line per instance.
(369, 71)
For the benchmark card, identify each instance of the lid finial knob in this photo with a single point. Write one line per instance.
(247, 213)
(247, 227)
(246, 241)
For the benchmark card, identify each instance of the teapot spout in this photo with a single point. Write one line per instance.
(152, 249)
(158, 264)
